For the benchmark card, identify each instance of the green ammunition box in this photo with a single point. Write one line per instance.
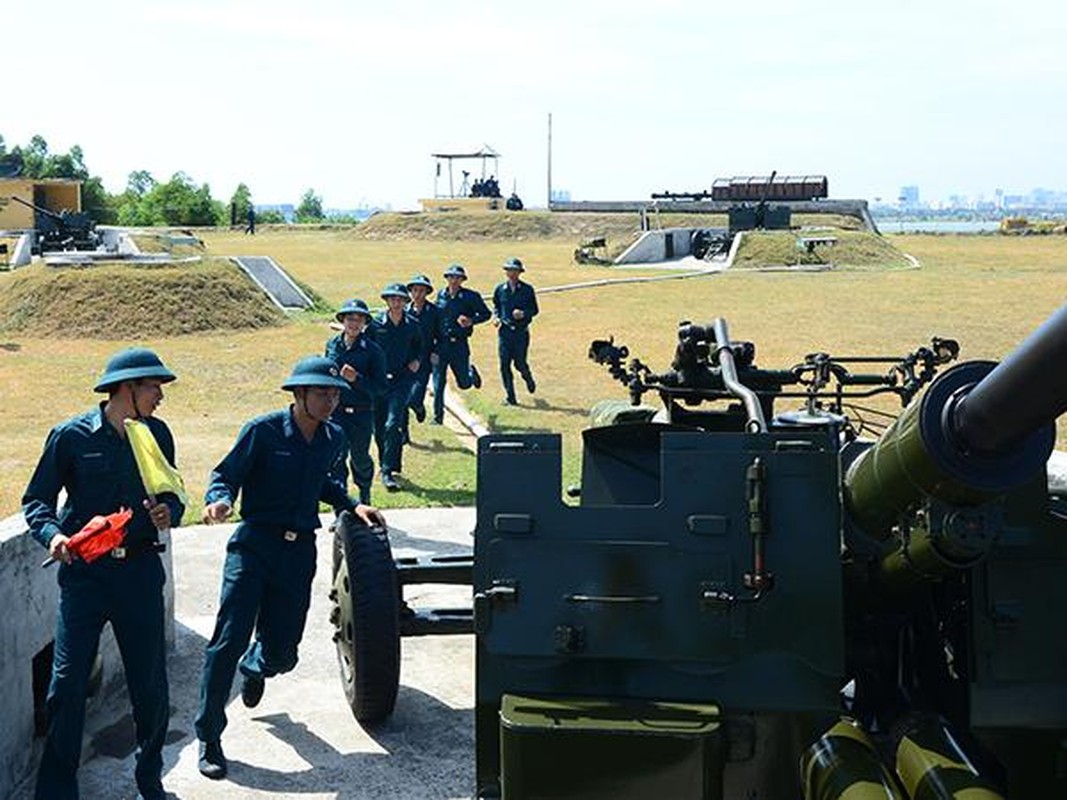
(604, 750)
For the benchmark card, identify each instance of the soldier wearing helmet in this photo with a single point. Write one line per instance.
(90, 458)
(514, 307)
(426, 314)
(282, 464)
(398, 334)
(461, 309)
(361, 364)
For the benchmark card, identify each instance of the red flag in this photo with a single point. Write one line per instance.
(100, 536)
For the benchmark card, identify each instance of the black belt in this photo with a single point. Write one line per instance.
(136, 549)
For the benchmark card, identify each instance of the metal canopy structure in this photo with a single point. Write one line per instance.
(482, 155)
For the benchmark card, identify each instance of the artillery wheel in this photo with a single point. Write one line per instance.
(365, 617)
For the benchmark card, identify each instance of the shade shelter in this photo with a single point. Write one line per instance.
(446, 160)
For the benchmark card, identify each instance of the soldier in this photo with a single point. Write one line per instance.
(398, 335)
(426, 314)
(283, 464)
(88, 456)
(514, 307)
(461, 309)
(361, 363)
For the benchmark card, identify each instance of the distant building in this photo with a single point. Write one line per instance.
(909, 196)
(561, 196)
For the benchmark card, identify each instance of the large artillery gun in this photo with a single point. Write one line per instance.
(63, 231)
(762, 603)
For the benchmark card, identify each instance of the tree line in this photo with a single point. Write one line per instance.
(145, 201)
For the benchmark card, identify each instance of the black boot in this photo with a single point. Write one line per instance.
(252, 690)
(212, 762)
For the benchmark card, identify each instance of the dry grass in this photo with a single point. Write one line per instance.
(118, 300)
(988, 292)
(852, 250)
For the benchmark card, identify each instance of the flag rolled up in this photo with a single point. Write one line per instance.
(100, 535)
(157, 474)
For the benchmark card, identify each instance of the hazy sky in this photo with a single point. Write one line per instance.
(957, 97)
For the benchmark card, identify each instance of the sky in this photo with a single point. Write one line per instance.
(644, 95)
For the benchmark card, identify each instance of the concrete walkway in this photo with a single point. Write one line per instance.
(302, 741)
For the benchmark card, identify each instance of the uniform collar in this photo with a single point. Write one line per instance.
(97, 420)
(292, 431)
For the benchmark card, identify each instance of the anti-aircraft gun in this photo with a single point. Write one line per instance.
(67, 230)
(755, 603)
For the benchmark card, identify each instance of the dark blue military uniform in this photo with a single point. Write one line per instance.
(428, 319)
(402, 343)
(513, 335)
(355, 413)
(453, 347)
(270, 559)
(87, 457)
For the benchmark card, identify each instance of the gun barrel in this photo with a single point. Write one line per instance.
(979, 431)
(40, 209)
(1024, 392)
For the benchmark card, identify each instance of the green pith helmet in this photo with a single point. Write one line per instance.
(421, 280)
(133, 364)
(395, 290)
(315, 371)
(514, 263)
(456, 271)
(353, 306)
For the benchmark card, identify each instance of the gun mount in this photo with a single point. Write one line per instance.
(66, 230)
(756, 603)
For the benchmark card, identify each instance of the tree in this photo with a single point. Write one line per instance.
(310, 208)
(270, 216)
(97, 203)
(140, 182)
(177, 202)
(240, 203)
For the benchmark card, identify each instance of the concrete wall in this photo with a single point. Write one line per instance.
(28, 598)
(465, 204)
(658, 245)
(53, 194)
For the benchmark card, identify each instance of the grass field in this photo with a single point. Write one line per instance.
(986, 291)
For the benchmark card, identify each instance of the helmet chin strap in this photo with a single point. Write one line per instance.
(137, 415)
(303, 399)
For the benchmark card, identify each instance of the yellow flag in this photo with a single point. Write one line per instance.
(157, 474)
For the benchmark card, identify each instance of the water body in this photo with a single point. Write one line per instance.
(893, 225)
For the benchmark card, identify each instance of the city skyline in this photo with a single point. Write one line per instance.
(352, 102)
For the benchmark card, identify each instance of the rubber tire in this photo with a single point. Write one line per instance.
(366, 619)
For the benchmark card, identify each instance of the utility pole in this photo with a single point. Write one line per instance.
(549, 204)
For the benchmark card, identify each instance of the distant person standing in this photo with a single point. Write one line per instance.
(460, 310)
(361, 365)
(90, 458)
(397, 333)
(426, 314)
(514, 307)
(251, 229)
